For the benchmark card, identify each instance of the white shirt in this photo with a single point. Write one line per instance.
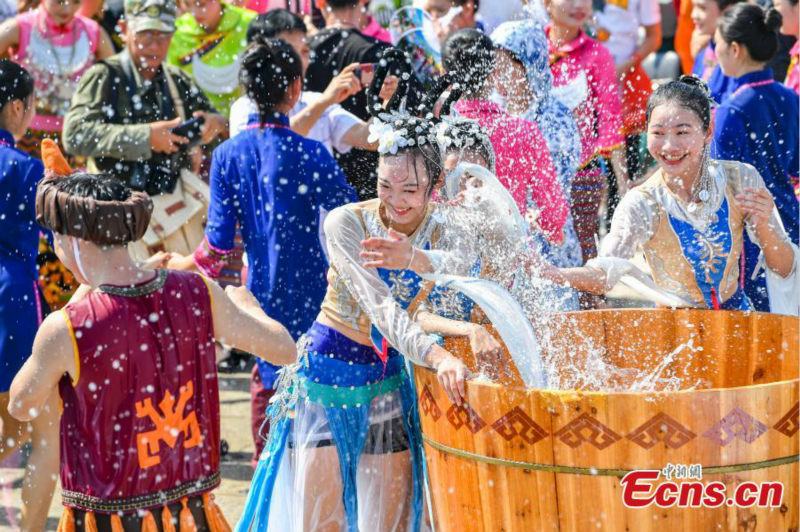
(329, 129)
(622, 18)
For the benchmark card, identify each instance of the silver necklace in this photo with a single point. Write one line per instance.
(702, 191)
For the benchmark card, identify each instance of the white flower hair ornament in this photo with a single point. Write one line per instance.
(395, 131)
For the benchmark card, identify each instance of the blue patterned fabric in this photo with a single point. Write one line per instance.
(708, 253)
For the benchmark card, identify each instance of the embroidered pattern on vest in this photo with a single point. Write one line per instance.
(169, 424)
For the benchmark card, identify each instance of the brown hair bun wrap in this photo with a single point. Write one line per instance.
(98, 221)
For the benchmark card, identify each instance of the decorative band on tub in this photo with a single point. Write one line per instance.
(711, 470)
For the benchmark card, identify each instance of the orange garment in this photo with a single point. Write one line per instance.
(683, 36)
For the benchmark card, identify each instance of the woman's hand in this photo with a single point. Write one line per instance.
(758, 204)
(393, 253)
(487, 350)
(181, 262)
(451, 372)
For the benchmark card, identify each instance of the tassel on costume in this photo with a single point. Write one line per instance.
(149, 522)
(216, 521)
(116, 523)
(186, 518)
(53, 158)
(167, 525)
(67, 521)
(89, 523)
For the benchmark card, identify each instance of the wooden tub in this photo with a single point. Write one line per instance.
(523, 460)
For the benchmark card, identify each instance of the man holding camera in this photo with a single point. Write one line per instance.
(125, 110)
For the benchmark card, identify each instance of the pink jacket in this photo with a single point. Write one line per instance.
(598, 117)
(524, 165)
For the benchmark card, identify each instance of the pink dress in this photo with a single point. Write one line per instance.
(598, 117)
(56, 56)
(524, 165)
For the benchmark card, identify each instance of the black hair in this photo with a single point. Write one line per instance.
(268, 25)
(16, 83)
(722, 5)
(339, 4)
(753, 27)
(269, 67)
(468, 135)
(468, 55)
(414, 129)
(102, 187)
(689, 92)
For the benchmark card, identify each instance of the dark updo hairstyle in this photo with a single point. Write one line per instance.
(268, 25)
(16, 83)
(101, 187)
(269, 67)
(427, 150)
(753, 27)
(468, 56)
(689, 92)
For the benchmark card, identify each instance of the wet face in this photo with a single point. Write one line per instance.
(569, 13)
(704, 15)
(454, 158)
(440, 8)
(403, 191)
(676, 138)
(16, 116)
(207, 13)
(148, 48)
(791, 17)
(61, 11)
(298, 41)
(509, 76)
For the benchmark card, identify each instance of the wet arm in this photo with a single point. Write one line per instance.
(245, 326)
(53, 355)
(9, 36)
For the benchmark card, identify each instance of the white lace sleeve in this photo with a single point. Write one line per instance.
(344, 234)
(631, 226)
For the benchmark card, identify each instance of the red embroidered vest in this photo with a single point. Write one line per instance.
(140, 425)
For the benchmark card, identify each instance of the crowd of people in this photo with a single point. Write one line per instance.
(283, 180)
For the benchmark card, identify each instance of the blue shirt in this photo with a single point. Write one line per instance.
(19, 244)
(757, 124)
(273, 182)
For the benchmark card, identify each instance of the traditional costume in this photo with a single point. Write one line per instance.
(585, 61)
(21, 306)
(757, 124)
(693, 252)
(528, 42)
(56, 56)
(140, 417)
(793, 73)
(212, 59)
(343, 451)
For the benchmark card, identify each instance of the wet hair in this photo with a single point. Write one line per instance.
(268, 25)
(428, 151)
(689, 92)
(460, 3)
(467, 135)
(102, 187)
(468, 55)
(16, 83)
(269, 67)
(753, 27)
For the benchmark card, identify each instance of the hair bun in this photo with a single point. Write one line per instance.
(772, 19)
(694, 81)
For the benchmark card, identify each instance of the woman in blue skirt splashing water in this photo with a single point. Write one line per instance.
(342, 452)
